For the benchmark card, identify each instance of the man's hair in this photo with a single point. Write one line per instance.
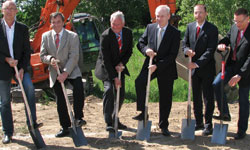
(241, 11)
(202, 5)
(10, 1)
(167, 9)
(117, 14)
(55, 14)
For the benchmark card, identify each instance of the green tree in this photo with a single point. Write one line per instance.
(220, 13)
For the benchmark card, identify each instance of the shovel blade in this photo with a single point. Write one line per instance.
(187, 129)
(143, 132)
(37, 138)
(219, 133)
(112, 135)
(78, 137)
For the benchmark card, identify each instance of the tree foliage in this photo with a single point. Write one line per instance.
(220, 13)
(136, 11)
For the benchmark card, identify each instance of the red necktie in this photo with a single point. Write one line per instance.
(197, 31)
(119, 42)
(235, 48)
(57, 40)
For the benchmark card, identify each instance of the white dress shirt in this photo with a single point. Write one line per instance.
(10, 37)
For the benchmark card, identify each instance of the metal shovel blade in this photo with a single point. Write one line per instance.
(37, 138)
(112, 135)
(187, 129)
(78, 137)
(219, 133)
(143, 133)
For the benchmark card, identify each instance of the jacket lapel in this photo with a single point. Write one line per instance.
(63, 40)
(243, 37)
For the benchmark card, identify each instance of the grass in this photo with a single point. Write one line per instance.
(134, 66)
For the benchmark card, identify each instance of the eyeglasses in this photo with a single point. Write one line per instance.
(9, 9)
(237, 22)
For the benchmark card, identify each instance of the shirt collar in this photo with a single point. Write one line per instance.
(7, 26)
(164, 28)
(201, 24)
(60, 33)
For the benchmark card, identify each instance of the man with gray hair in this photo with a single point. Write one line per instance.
(162, 39)
(116, 49)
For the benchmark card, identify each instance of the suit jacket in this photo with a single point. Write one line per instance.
(167, 52)
(21, 48)
(242, 64)
(204, 47)
(109, 55)
(67, 53)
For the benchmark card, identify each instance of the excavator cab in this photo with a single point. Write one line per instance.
(88, 28)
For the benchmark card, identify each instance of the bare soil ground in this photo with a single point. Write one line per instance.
(97, 137)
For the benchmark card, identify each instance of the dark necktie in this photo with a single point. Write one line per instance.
(237, 43)
(197, 31)
(57, 40)
(119, 40)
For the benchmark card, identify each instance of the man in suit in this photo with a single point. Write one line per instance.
(163, 67)
(63, 45)
(200, 42)
(15, 51)
(116, 49)
(237, 68)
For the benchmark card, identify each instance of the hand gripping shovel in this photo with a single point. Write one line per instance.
(117, 134)
(35, 133)
(144, 127)
(76, 132)
(188, 125)
(220, 130)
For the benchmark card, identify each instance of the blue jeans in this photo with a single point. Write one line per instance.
(243, 100)
(217, 90)
(5, 107)
(5, 103)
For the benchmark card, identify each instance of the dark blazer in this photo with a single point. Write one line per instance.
(242, 64)
(21, 48)
(167, 52)
(109, 55)
(204, 47)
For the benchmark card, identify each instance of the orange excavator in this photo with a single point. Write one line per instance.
(88, 28)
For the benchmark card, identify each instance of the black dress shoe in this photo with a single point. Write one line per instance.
(38, 125)
(207, 131)
(239, 136)
(121, 126)
(199, 127)
(62, 133)
(110, 128)
(6, 139)
(139, 117)
(165, 132)
(80, 122)
(224, 117)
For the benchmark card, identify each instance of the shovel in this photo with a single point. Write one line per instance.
(76, 132)
(220, 130)
(35, 133)
(116, 134)
(144, 127)
(188, 125)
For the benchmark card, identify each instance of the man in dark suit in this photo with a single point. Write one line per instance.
(15, 51)
(116, 49)
(237, 68)
(200, 42)
(163, 67)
